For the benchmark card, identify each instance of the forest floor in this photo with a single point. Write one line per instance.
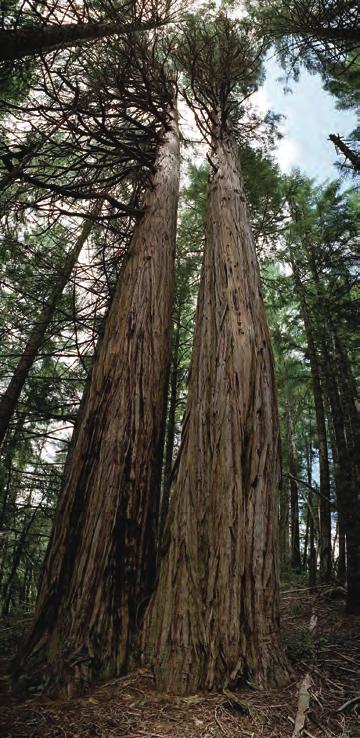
(129, 707)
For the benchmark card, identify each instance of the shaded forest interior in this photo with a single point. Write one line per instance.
(179, 409)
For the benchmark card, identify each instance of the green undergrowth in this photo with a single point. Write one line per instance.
(303, 646)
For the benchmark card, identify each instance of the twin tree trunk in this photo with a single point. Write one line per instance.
(214, 617)
(100, 566)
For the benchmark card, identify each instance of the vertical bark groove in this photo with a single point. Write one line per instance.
(100, 565)
(214, 617)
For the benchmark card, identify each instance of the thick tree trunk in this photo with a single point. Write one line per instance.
(31, 41)
(100, 566)
(214, 617)
(12, 393)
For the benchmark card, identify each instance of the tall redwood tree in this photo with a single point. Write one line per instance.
(214, 617)
(100, 565)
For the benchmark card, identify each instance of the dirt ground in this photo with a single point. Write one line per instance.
(129, 707)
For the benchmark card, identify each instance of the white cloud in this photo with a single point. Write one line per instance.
(288, 153)
(261, 100)
(287, 149)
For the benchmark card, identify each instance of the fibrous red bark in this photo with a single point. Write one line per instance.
(214, 617)
(100, 565)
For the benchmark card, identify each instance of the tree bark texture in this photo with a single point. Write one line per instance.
(100, 566)
(30, 41)
(214, 617)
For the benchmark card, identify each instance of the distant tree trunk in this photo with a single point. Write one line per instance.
(312, 548)
(311, 522)
(347, 476)
(324, 505)
(24, 586)
(294, 527)
(100, 566)
(341, 567)
(341, 527)
(7, 452)
(349, 394)
(351, 155)
(214, 617)
(294, 495)
(340, 389)
(306, 539)
(18, 552)
(15, 44)
(284, 526)
(171, 424)
(325, 562)
(11, 395)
